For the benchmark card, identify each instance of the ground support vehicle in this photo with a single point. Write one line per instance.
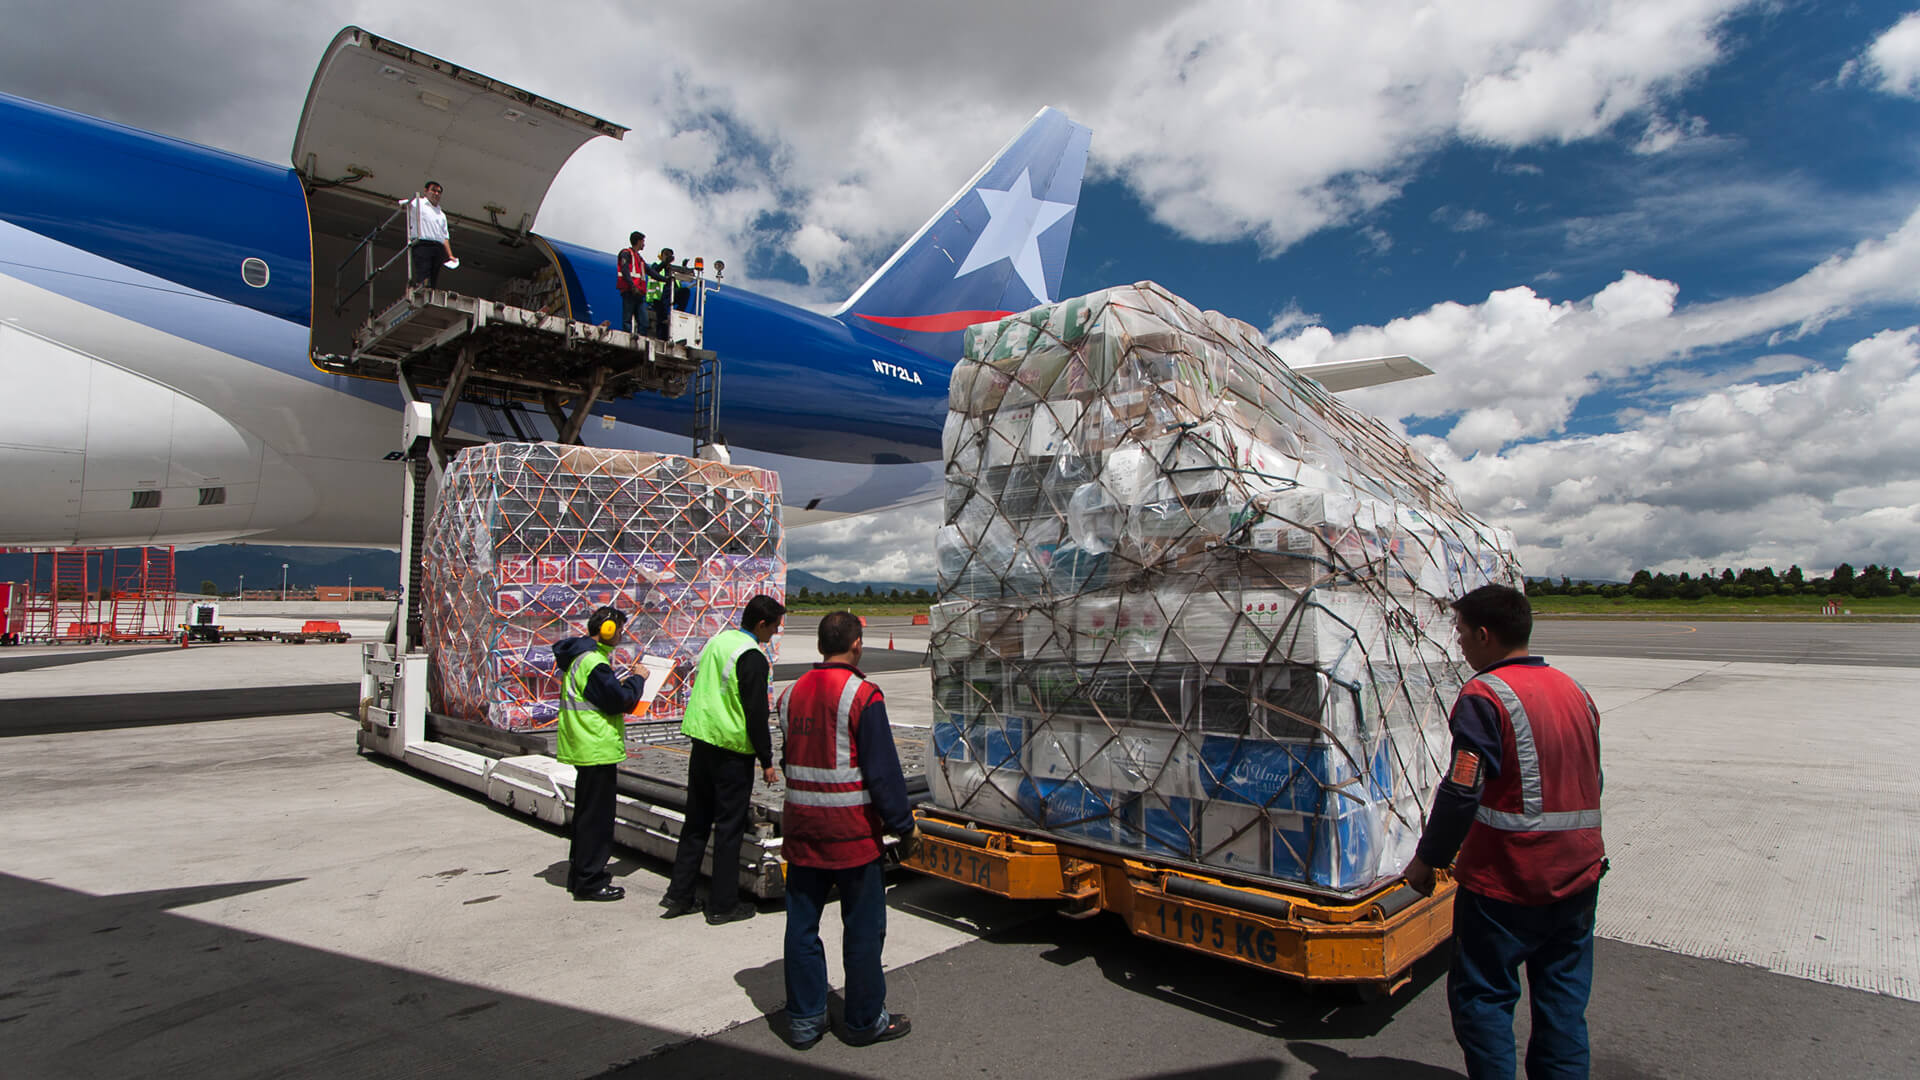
(1369, 943)
(327, 630)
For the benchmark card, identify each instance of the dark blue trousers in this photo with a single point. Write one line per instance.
(863, 923)
(1492, 940)
(633, 312)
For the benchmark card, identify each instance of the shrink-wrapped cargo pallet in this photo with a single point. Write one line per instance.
(529, 538)
(1192, 606)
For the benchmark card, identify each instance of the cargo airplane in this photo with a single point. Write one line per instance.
(162, 305)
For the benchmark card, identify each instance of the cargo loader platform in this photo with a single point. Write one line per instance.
(1369, 943)
(518, 770)
(469, 347)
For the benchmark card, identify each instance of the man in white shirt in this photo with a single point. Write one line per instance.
(429, 242)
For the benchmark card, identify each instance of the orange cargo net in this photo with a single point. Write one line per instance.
(530, 538)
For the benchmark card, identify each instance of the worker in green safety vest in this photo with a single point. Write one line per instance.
(661, 289)
(594, 704)
(727, 720)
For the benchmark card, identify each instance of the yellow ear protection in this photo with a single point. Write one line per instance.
(609, 630)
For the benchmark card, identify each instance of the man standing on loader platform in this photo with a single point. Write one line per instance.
(429, 244)
(593, 739)
(632, 279)
(727, 720)
(844, 791)
(1520, 804)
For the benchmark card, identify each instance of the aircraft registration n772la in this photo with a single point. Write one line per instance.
(162, 305)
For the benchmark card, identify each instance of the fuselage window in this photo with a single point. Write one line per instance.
(213, 496)
(146, 500)
(254, 273)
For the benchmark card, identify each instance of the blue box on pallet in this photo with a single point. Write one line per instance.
(1071, 808)
(1162, 826)
(993, 740)
(996, 739)
(1294, 776)
(1334, 851)
(949, 737)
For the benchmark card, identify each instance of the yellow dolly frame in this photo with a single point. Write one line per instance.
(1370, 943)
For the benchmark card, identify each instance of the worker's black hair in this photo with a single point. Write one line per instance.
(1501, 610)
(603, 614)
(761, 609)
(838, 632)
(433, 183)
(635, 237)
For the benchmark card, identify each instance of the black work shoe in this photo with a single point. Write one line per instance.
(604, 892)
(897, 1027)
(673, 909)
(741, 913)
(810, 1043)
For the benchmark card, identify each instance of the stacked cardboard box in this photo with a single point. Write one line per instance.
(529, 538)
(1192, 606)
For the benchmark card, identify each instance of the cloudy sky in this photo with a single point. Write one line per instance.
(1663, 254)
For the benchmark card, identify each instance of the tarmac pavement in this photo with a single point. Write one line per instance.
(252, 897)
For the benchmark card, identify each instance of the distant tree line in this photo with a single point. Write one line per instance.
(1750, 582)
(865, 596)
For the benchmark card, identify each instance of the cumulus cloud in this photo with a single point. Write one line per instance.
(1892, 62)
(829, 131)
(1816, 470)
(896, 545)
(1663, 134)
(1277, 120)
(1537, 358)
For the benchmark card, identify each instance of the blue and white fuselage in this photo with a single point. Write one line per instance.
(161, 303)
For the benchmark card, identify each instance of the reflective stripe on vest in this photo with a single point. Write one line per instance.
(573, 687)
(1532, 816)
(843, 771)
(828, 798)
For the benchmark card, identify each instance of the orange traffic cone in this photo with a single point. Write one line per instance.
(183, 638)
(889, 642)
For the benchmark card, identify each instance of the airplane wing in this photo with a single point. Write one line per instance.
(1354, 374)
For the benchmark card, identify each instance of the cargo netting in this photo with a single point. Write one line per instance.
(529, 538)
(1191, 606)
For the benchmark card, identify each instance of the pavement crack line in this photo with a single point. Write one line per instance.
(1656, 692)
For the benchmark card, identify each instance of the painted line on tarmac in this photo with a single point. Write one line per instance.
(106, 712)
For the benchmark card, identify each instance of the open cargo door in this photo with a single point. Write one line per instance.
(381, 120)
(395, 117)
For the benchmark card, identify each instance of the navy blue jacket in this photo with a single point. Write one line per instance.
(605, 691)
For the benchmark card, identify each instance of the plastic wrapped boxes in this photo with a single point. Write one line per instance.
(529, 538)
(1192, 606)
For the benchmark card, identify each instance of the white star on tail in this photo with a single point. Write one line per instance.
(1016, 218)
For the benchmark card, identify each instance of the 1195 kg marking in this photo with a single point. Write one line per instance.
(1219, 933)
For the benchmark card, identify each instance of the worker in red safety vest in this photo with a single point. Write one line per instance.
(1520, 806)
(630, 270)
(845, 792)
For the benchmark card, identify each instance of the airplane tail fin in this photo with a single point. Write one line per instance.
(998, 246)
